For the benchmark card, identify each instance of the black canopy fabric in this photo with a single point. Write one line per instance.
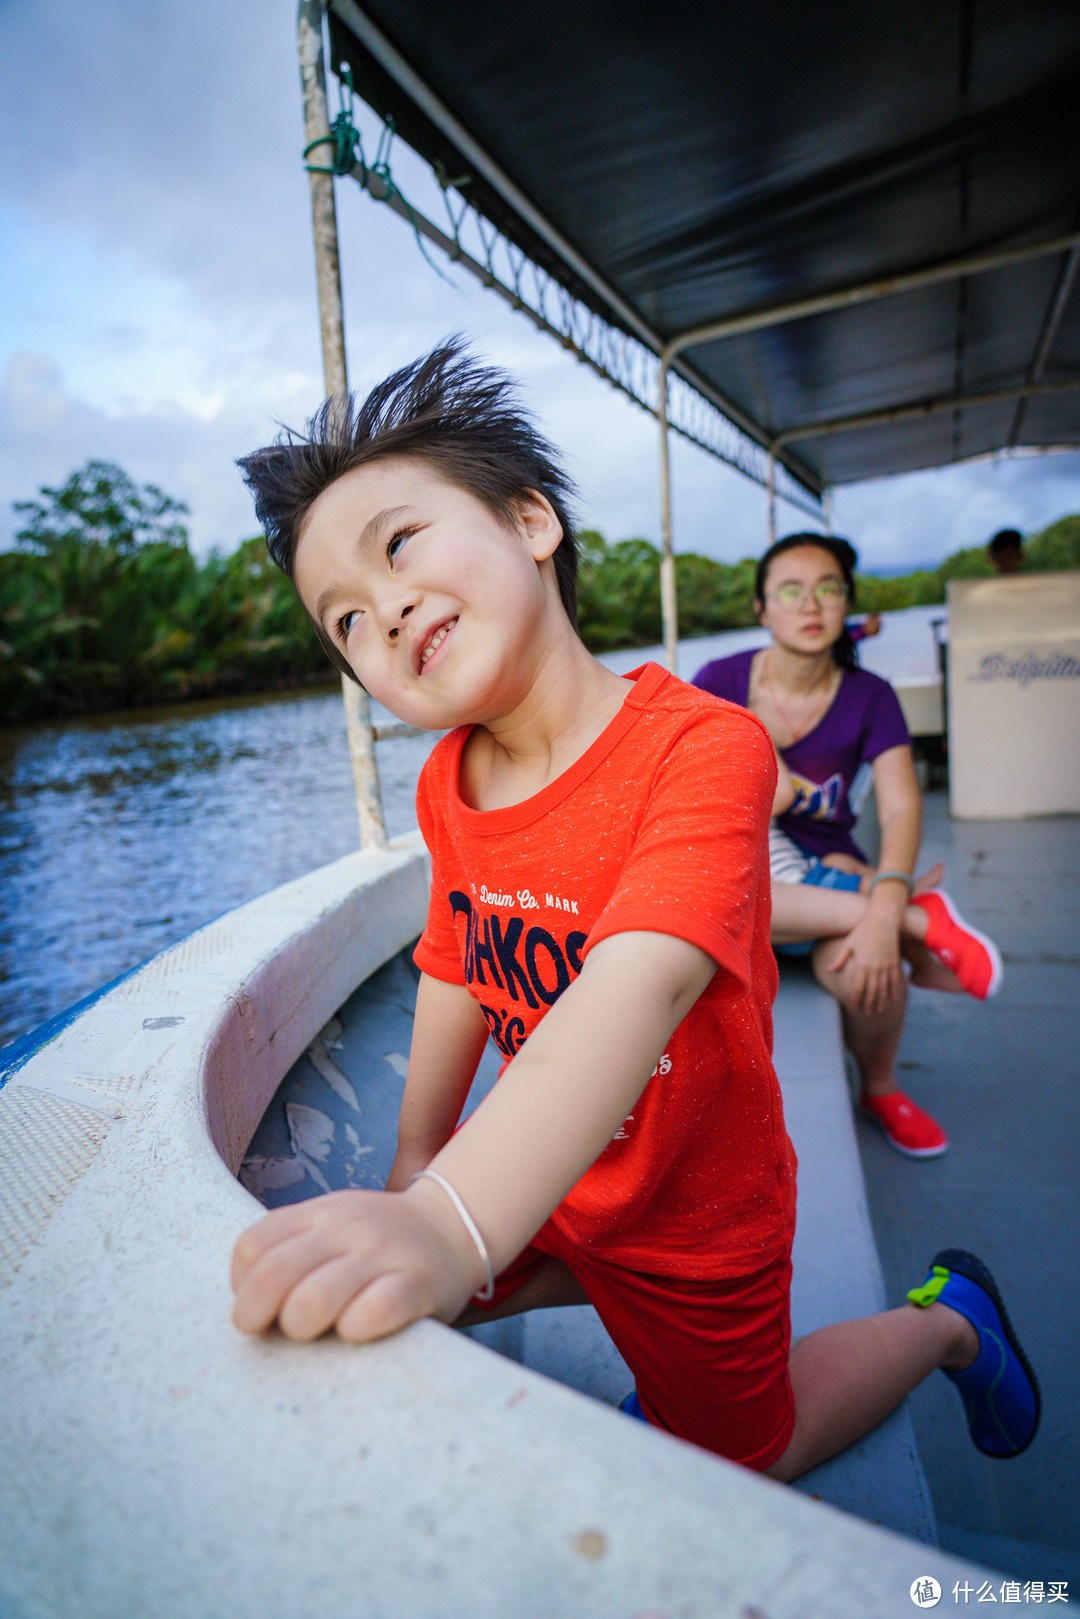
(676, 164)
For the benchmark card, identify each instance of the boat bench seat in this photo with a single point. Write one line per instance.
(836, 1273)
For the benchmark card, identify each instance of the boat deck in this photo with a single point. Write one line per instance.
(1003, 1080)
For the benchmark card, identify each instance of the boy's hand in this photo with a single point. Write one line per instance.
(365, 1263)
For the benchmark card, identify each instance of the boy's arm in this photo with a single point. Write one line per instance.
(371, 1262)
(448, 1039)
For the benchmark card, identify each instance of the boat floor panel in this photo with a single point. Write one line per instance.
(1003, 1079)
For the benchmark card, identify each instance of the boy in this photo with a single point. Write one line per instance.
(600, 907)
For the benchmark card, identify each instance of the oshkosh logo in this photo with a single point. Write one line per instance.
(555, 902)
(526, 965)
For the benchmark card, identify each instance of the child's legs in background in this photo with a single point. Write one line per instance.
(802, 912)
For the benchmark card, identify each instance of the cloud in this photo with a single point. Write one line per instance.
(923, 516)
(46, 432)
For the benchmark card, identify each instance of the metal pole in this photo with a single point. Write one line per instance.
(770, 497)
(887, 286)
(309, 29)
(669, 607)
(1047, 338)
(826, 511)
(924, 407)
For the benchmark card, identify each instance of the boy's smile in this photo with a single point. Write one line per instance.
(441, 610)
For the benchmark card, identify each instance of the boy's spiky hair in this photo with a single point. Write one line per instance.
(461, 418)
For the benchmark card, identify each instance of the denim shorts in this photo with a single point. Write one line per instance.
(820, 876)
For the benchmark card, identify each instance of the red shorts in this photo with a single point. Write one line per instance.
(710, 1359)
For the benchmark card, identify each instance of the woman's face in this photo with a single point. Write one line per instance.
(805, 599)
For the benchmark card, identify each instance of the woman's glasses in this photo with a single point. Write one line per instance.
(792, 598)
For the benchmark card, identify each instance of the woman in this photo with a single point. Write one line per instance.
(827, 717)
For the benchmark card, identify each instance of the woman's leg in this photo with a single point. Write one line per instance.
(930, 878)
(873, 1038)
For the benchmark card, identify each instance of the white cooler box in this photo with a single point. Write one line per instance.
(1014, 695)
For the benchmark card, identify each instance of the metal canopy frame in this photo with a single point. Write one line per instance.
(516, 248)
(390, 59)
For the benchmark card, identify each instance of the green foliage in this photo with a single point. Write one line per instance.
(102, 604)
(1056, 547)
(1053, 548)
(619, 593)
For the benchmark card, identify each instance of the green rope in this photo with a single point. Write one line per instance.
(349, 154)
(344, 135)
(381, 167)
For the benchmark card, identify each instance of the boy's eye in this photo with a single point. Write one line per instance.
(346, 622)
(397, 541)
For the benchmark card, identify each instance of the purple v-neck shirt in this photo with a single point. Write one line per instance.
(863, 720)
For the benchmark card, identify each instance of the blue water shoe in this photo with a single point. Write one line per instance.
(999, 1391)
(632, 1406)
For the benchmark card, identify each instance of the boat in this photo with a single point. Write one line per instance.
(159, 1462)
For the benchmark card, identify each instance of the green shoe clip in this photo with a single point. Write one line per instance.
(929, 1291)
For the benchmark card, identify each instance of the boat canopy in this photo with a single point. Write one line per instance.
(854, 229)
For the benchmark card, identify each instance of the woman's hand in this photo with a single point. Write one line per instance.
(873, 948)
(364, 1263)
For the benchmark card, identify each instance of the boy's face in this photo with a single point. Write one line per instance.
(441, 610)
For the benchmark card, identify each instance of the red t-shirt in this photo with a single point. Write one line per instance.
(660, 826)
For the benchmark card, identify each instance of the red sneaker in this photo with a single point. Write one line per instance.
(906, 1127)
(964, 950)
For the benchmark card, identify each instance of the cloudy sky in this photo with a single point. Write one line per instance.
(159, 310)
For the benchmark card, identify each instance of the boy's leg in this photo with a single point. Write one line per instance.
(533, 1281)
(709, 1359)
(847, 1378)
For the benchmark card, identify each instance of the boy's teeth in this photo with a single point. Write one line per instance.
(436, 640)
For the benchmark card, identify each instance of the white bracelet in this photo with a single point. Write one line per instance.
(470, 1226)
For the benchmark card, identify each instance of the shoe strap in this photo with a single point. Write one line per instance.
(930, 1289)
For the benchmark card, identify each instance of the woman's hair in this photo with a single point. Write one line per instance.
(460, 418)
(845, 556)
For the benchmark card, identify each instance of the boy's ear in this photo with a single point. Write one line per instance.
(539, 524)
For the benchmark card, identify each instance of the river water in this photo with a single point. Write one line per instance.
(121, 833)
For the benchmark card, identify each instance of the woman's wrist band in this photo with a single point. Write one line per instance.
(892, 876)
(470, 1225)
